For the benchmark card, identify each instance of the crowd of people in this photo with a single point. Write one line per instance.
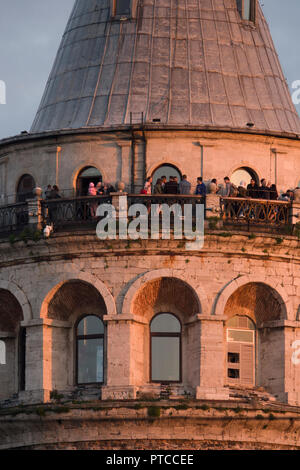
(100, 189)
(173, 186)
(265, 190)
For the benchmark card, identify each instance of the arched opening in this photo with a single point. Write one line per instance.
(11, 367)
(251, 311)
(90, 350)
(244, 174)
(165, 347)
(89, 174)
(174, 330)
(166, 170)
(77, 358)
(240, 339)
(25, 188)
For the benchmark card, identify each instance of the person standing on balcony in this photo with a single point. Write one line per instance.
(200, 188)
(185, 186)
(158, 189)
(230, 189)
(48, 192)
(253, 190)
(164, 180)
(273, 192)
(242, 189)
(264, 191)
(93, 205)
(148, 186)
(54, 194)
(99, 189)
(171, 187)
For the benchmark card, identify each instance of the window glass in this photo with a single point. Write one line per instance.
(247, 10)
(122, 7)
(90, 360)
(165, 358)
(90, 325)
(2, 353)
(165, 323)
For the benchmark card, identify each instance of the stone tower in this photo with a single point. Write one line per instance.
(130, 337)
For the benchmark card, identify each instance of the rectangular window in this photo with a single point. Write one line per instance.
(90, 361)
(122, 7)
(233, 358)
(233, 373)
(247, 9)
(165, 365)
(2, 353)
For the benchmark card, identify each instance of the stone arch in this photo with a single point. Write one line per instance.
(277, 291)
(21, 195)
(86, 278)
(247, 166)
(165, 162)
(20, 297)
(81, 167)
(134, 289)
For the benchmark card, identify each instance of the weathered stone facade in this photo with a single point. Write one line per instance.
(47, 286)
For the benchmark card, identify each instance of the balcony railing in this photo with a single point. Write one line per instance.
(168, 199)
(13, 217)
(244, 211)
(79, 211)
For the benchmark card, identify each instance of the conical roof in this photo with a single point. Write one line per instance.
(183, 62)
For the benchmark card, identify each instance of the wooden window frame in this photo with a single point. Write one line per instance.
(88, 337)
(166, 335)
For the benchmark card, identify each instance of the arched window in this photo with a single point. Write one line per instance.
(25, 188)
(166, 170)
(88, 175)
(240, 336)
(2, 353)
(244, 174)
(165, 333)
(90, 350)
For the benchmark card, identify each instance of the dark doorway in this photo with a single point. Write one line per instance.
(86, 176)
(25, 189)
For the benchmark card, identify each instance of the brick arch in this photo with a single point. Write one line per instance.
(86, 279)
(21, 298)
(135, 288)
(233, 286)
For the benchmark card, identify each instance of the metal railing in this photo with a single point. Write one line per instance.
(78, 211)
(168, 199)
(246, 211)
(13, 217)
